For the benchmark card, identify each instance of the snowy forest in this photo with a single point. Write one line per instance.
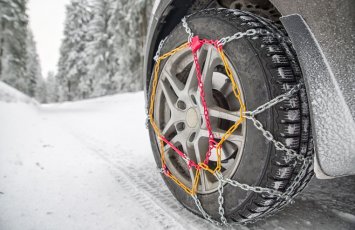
(101, 51)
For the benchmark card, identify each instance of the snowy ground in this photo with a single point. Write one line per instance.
(88, 165)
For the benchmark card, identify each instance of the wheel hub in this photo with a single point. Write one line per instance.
(192, 118)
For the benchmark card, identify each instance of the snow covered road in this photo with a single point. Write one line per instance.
(88, 165)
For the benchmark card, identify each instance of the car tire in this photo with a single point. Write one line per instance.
(266, 66)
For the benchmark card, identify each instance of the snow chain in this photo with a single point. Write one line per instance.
(195, 44)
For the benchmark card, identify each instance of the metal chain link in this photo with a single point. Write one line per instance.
(238, 35)
(255, 189)
(219, 177)
(290, 153)
(308, 161)
(287, 195)
(161, 44)
(187, 29)
(274, 101)
(203, 212)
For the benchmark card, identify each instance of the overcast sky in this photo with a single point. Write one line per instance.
(47, 22)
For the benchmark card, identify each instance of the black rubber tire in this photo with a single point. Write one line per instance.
(267, 67)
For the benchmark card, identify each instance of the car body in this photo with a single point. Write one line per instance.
(322, 33)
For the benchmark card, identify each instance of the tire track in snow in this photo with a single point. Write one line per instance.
(147, 187)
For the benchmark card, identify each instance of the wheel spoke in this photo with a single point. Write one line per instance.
(180, 138)
(175, 83)
(176, 139)
(219, 112)
(189, 152)
(191, 82)
(169, 127)
(228, 149)
(218, 134)
(170, 96)
(184, 147)
(211, 61)
(226, 87)
(205, 183)
(192, 172)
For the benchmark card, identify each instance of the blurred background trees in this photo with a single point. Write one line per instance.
(101, 52)
(19, 63)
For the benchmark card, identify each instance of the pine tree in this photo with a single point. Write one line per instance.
(52, 88)
(41, 91)
(35, 81)
(13, 36)
(118, 27)
(72, 66)
(128, 25)
(111, 50)
(100, 51)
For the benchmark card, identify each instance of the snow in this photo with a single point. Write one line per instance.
(88, 165)
(9, 94)
(345, 216)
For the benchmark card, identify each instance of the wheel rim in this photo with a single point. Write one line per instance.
(179, 114)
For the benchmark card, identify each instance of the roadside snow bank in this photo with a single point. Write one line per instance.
(9, 94)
